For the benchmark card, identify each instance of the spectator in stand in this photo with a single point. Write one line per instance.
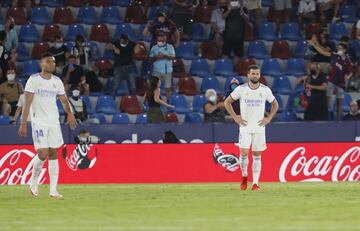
(341, 70)
(234, 83)
(92, 78)
(12, 37)
(162, 56)
(20, 105)
(162, 25)
(182, 15)
(213, 111)
(353, 84)
(4, 57)
(354, 111)
(358, 29)
(10, 92)
(306, 12)
(152, 97)
(60, 53)
(315, 85)
(218, 21)
(253, 5)
(73, 76)
(82, 52)
(78, 106)
(282, 8)
(322, 40)
(328, 10)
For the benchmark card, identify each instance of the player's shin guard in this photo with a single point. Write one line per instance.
(38, 163)
(244, 161)
(256, 169)
(54, 175)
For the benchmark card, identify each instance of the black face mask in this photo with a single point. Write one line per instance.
(11, 26)
(313, 72)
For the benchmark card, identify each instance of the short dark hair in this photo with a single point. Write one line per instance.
(253, 67)
(47, 55)
(83, 132)
(124, 36)
(344, 39)
(72, 57)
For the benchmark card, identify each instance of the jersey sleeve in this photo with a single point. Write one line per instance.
(236, 94)
(61, 89)
(30, 85)
(269, 95)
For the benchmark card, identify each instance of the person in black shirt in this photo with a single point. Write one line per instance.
(4, 57)
(213, 111)
(324, 61)
(354, 111)
(74, 77)
(60, 53)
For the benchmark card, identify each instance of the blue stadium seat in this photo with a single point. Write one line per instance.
(99, 116)
(287, 116)
(295, 67)
(290, 31)
(73, 31)
(347, 13)
(199, 67)
(40, 15)
(146, 68)
(266, 3)
(51, 3)
(120, 118)
(185, 50)
(22, 53)
(280, 101)
(125, 28)
(179, 101)
(108, 54)
(88, 104)
(282, 85)
(123, 3)
(22, 81)
(198, 103)
(105, 104)
(29, 67)
(267, 31)
(141, 36)
(28, 33)
(4, 120)
(355, 45)
(193, 118)
(223, 67)
(300, 47)
(271, 67)
(257, 50)
(197, 33)
(141, 119)
(60, 107)
(110, 15)
(154, 9)
(87, 15)
(337, 30)
(345, 103)
(210, 83)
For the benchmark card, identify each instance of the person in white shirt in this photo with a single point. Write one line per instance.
(252, 97)
(20, 105)
(41, 91)
(306, 12)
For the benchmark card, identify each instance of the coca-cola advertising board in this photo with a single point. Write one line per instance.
(176, 163)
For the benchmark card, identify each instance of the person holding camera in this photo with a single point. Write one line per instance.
(78, 106)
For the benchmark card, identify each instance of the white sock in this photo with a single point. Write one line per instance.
(53, 174)
(244, 161)
(256, 169)
(36, 170)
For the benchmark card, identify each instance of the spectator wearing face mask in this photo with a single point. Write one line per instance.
(82, 52)
(78, 106)
(60, 53)
(213, 111)
(10, 92)
(74, 77)
(12, 37)
(4, 57)
(162, 55)
(354, 111)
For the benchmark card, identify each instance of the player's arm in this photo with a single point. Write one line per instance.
(273, 110)
(229, 108)
(70, 116)
(28, 100)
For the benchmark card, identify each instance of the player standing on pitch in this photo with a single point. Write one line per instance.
(252, 97)
(41, 91)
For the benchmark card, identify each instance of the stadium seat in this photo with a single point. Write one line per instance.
(257, 50)
(28, 33)
(223, 67)
(281, 104)
(119, 118)
(345, 103)
(281, 50)
(104, 65)
(337, 30)
(300, 48)
(187, 86)
(295, 67)
(22, 81)
(271, 67)
(282, 85)
(88, 104)
(73, 31)
(99, 117)
(146, 68)
(39, 49)
(185, 50)
(154, 9)
(287, 116)
(143, 53)
(123, 89)
(105, 104)
(142, 37)
(266, 3)
(22, 53)
(130, 104)
(87, 15)
(355, 45)
(125, 28)
(249, 32)
(135, 15)
(75, 3)
(347, 13)
(108, 54)
(100, 33)
(141, 119)
(4, 120)
(241, 67)
(18, 14)
(199, 67)
(193, 118)
(171, 118)
(210, 83)
(311, 29)
(110, 15)
(209, 50)
(197, 33)
(63, 15)
(178, 68)
(99, 3)
(49, 33)
(29, 67)
(123, 3)
(290, 31)
(198, 103)
(40, 15)
(267, 31)
(353, 31)
(179, 101)
(51, 3)
(203, 14)
(141, 86)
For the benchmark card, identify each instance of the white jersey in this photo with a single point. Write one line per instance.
(43, 109)
(252, 105)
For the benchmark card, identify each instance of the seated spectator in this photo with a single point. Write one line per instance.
(322, 41)
(4, 57)
(328, 10)
(213, 111)
(306, 12)
(10, 92)
(253, 5)
(60, 53)
(218, 22)
(82, 52)
(73, 76)
(78, 106)
(282, 8)
(354, 111)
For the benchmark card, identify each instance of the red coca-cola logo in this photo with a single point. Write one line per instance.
(299, 165)
(16, 167)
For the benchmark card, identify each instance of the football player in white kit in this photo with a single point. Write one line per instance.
(41, 91)
(252, 122)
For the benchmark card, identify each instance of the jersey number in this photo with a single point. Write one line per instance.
(39, 133)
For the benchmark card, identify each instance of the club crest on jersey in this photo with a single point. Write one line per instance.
(260, 95)
(228, 161)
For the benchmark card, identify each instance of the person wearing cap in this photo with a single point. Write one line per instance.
(162, 24)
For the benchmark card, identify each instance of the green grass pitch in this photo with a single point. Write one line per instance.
(175, 207)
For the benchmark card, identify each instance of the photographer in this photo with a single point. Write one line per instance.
(78, 106)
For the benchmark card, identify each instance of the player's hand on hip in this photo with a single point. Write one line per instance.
(72, 121)
(22, 131)
(264, 122)
(240, 121)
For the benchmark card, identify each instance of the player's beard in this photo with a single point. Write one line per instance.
(254, 81)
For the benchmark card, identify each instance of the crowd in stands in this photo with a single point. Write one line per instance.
(133, 61)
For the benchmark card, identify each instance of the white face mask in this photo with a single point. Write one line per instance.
(11, 77)
(76, 93)
(58, 45)
(213, 99)
(160, 44)
(341, 53)
(123, 44)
